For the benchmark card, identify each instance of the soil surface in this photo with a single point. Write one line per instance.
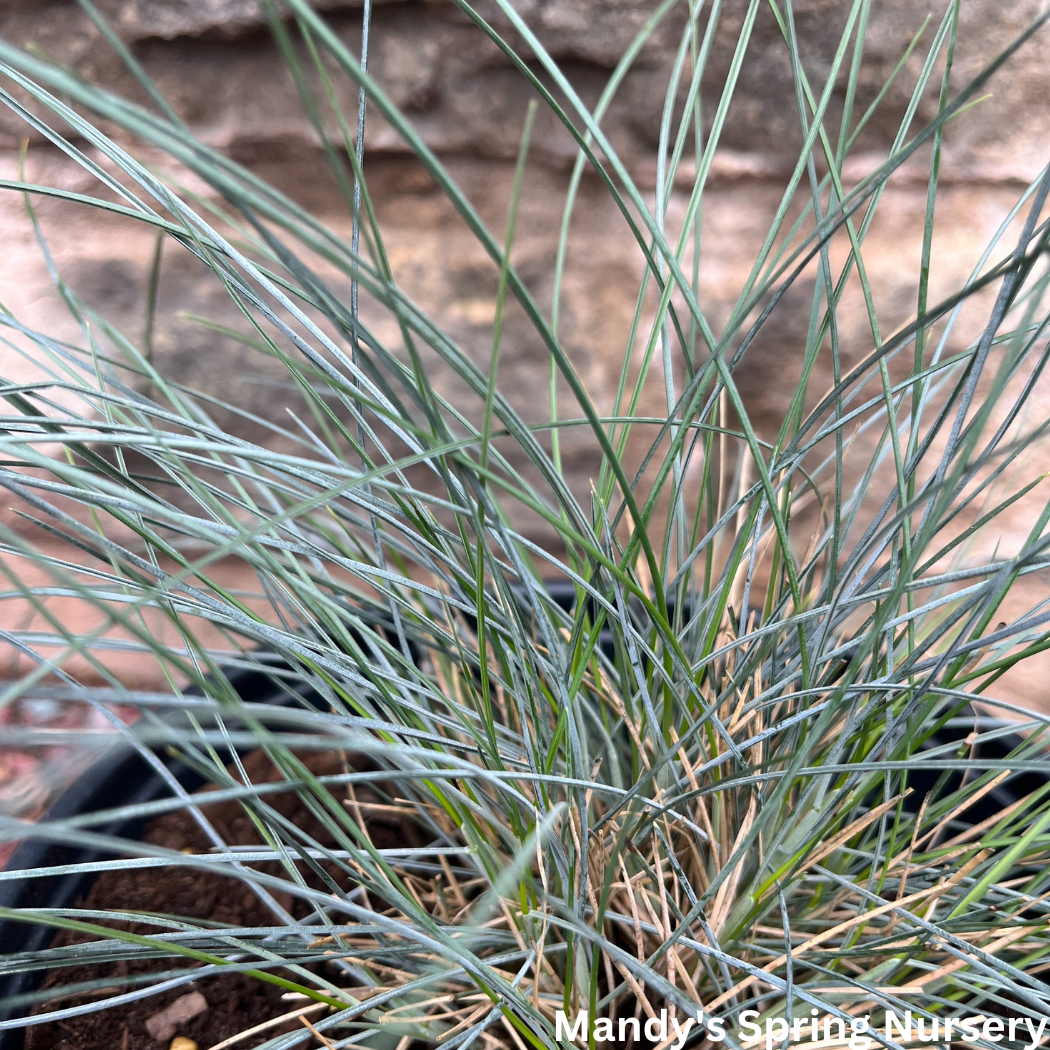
(235, 1002)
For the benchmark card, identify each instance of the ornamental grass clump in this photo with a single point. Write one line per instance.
(718, 743)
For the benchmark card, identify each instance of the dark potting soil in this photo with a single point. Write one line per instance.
(235, 1002)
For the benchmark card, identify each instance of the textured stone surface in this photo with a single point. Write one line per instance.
(215, 61)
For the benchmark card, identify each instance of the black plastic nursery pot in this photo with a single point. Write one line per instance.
(119, 778)
(123, 778)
